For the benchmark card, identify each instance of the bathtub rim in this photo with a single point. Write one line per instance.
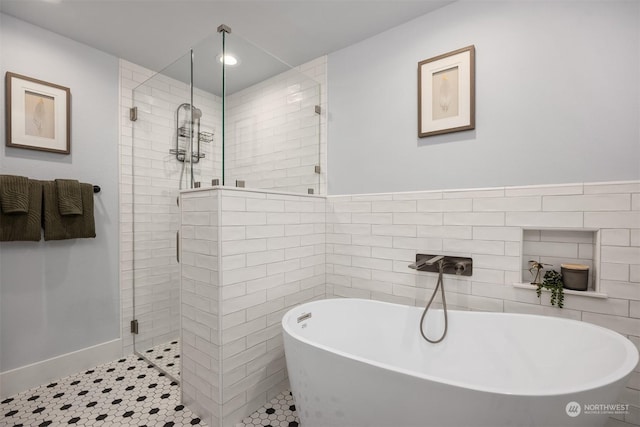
(631, 359)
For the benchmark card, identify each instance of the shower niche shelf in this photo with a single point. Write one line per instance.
(556, 246)
(591, 294)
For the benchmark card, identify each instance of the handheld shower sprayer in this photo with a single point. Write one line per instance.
(440, 264)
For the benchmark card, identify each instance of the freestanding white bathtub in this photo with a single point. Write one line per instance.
(356, 363)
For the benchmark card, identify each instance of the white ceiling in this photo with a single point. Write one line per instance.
(154, 33)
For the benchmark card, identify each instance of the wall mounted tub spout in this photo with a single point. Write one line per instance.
(425, 262)
(460, 266)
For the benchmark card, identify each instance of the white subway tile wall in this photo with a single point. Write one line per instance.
(200, 299)
(274, 137)
(371, 239)
(271, 257)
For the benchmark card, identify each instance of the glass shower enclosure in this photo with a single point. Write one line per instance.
(226, 113)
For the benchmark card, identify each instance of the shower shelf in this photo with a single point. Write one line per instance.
(590, 294)
(181, 154)
(184, 132)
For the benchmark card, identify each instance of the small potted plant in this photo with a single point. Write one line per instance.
(552, 282)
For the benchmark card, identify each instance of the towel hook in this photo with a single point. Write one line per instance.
(96, 188)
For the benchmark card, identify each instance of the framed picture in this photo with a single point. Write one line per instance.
(38, 114)
(446, 93)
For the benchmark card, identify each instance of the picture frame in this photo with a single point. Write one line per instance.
(446, 93)
(38, 114)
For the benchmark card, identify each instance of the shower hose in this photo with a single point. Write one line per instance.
(440, 285)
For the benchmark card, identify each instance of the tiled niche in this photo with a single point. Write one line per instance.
(555, 247)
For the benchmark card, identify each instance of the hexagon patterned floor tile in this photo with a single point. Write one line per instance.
(126, 392)
(165, 356)
(280, 412)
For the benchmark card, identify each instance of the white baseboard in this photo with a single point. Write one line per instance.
(26, 377)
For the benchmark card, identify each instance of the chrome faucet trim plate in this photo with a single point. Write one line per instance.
(460, 266)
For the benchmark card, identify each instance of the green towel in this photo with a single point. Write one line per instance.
(69, 197)
(24, 227)
(58, 226)
(14, 194)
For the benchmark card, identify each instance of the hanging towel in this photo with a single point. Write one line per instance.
(24, 226)
(14, 194)
(69, 198)
(59, 227)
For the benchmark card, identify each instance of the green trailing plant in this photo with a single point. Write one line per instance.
(553, 283)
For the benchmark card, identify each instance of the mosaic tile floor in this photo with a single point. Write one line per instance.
(280, 412)
(126, 392)
(166, 357)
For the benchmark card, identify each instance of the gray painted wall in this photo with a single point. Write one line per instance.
(557, 92)
(58, 297)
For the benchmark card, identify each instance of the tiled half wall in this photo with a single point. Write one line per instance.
(249, 255)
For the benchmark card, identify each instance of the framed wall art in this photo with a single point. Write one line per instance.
(446, 93)
(38, 114)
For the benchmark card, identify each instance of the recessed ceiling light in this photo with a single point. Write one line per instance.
(228, 59)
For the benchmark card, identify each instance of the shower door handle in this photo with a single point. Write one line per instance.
(178, 246)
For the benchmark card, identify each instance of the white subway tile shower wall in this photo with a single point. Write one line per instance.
(274, 138)
(371, 239)
(156, 175)
(270, 257)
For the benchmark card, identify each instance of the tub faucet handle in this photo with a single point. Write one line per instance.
(426, 261)
(418, 264)
(435, 259)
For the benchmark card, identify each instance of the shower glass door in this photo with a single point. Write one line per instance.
(161, 166)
